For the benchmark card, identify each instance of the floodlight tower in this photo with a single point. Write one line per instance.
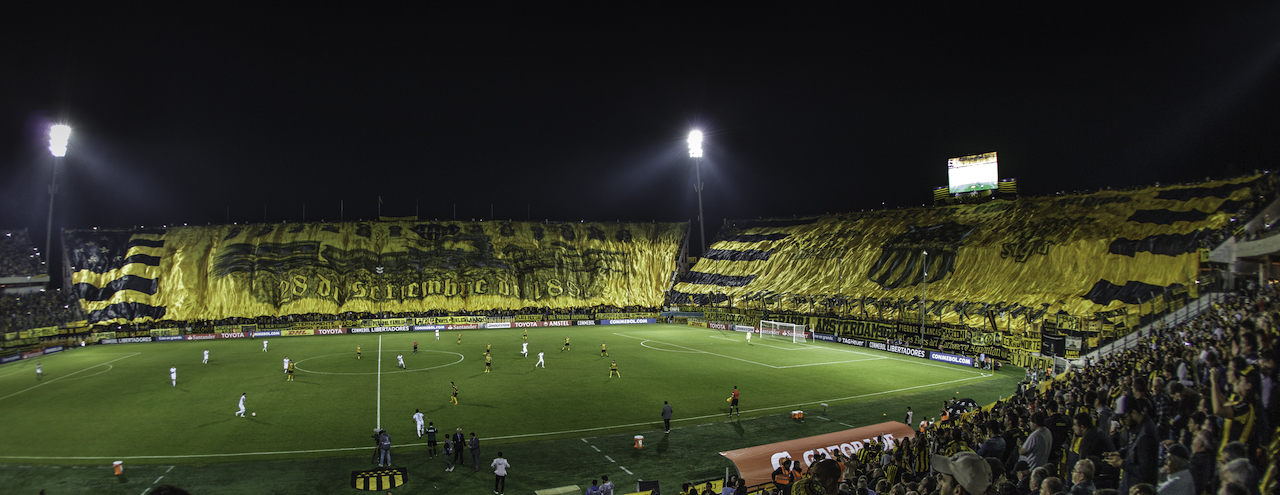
(59, 135)
(695, 152)
(924, 291)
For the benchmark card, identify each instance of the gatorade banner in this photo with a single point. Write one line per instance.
(218, 272)
(1023, 258)
(756, 464)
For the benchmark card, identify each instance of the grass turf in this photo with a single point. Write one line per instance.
(106, 403)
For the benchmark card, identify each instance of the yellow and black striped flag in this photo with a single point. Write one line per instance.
(376, 480)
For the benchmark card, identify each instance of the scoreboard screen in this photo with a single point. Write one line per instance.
(972, 173)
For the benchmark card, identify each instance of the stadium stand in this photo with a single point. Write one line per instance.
(18, 256)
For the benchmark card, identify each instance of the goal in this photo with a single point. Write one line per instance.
(798, 334)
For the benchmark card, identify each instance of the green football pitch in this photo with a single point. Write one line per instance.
(563, 424)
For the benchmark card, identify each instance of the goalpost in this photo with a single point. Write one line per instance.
(798, 334)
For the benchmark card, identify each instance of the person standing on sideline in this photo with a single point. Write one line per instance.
(264, 346)
(666, 416)
(242, 398)
(524, 349)
(431, 439)
(613, 368)
(206, 356)
(40, 370)
(594, 489)
(384, 448)
(448, 453)
(454, 397)
(415, 347)
(910, 415)
(357, 352)
(540, 361)
(289, 371)
(500, 466)
(400, 361)
(459, 442)
(173, 375)
(733, 402)
(419, 418)
(604, 349)
(437, 334)
(474, 447)
(606, 488)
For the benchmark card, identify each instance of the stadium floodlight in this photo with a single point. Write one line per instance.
(59, 136)
(695, 152)
(695, 144)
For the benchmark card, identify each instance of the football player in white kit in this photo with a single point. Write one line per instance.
(540, 361)
(264, 346)
(206, 356)
(400, 359)
(418, 418)
(242, 398)
(524, 349)
(173, 375)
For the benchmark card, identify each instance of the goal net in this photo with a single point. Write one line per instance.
(797, 334)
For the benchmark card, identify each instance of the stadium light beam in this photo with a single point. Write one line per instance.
(59, 136)
(695, 152)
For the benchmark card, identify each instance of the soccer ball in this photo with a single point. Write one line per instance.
(253, 414)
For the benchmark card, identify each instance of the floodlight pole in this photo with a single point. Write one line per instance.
(695, 152)
(702, 221)
(58, 137)
(924, 291)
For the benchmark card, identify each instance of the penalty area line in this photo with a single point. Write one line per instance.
(43, 383)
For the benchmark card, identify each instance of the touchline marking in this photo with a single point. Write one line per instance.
(170, 469)
(611, 459)
(379, 381)
(625, 469)
(157, 480)
(594, 447)
(67, 375)
(832, 362)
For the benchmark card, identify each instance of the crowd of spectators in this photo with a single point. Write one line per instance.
(18, 256)
(1193, 410)
(38, 309)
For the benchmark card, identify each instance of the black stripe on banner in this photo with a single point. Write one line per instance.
(1167, 217)
(127, 311)
(155, 243)
(756, 237)
(702, 278)
(738, 255)
(774, 224)
(1168, 245)
(1222, 191)
(144, 259)
(1103, 292)
(147, 286)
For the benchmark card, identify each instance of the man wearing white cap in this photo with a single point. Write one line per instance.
(965, 473)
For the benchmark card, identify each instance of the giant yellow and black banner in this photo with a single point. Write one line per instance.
(209, 273)
(1028, 257)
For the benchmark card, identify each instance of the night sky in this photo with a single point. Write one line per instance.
(203, 116)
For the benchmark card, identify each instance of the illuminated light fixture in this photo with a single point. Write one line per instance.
(695, 144)
(59, 135)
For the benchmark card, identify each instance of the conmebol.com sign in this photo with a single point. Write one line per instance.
(951, 358)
